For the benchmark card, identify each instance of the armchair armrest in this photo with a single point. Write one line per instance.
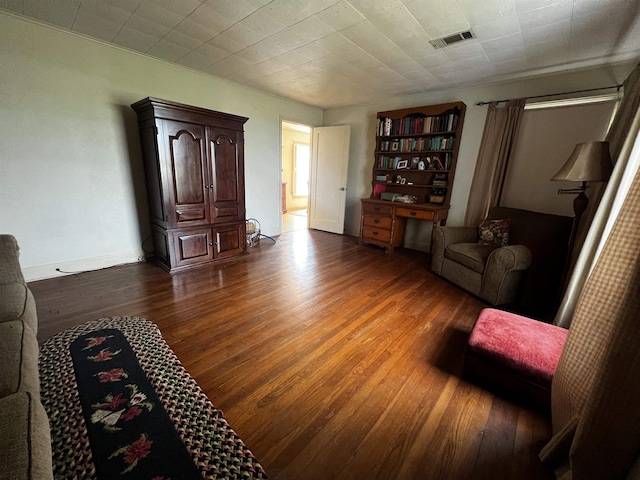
(501, 278)
(445, 236)
(511, 257)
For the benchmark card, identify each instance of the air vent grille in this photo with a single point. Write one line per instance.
(450, 39)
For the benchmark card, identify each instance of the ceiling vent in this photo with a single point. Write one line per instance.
(451, 39)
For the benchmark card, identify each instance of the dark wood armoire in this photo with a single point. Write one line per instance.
(194, 164)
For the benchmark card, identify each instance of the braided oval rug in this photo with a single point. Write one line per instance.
(216, 450)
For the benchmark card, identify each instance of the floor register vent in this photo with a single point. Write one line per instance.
(450, 39)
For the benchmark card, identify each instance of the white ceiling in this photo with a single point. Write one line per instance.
(342, 52)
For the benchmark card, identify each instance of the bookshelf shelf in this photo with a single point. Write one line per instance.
(416, 153)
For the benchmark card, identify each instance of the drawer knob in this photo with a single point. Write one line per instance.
(376, 221)
(375, 233)
(413, 214)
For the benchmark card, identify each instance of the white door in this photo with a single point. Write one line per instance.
(328, 179)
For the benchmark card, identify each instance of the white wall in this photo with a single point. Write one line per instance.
(71, 179)
(362, 119)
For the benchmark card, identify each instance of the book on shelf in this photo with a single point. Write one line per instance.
(448, 157)
(435, 163)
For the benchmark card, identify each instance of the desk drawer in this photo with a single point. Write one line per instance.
(377, 221)
(375, 233)
(409, 212)
(377, 209)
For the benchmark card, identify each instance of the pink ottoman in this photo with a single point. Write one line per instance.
(516, 354)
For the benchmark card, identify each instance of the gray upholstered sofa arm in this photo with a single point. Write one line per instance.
(502, 274)
(445, 236)
(25, 438)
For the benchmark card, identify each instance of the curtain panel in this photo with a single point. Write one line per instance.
(498, 141)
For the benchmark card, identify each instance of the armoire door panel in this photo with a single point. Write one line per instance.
(227, 175)
(225, 168)
(190, 180)
(192, 246)
(229, 240)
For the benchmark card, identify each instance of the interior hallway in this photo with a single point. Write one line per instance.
(294, 220)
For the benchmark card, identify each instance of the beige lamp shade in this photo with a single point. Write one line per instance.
(589, 162)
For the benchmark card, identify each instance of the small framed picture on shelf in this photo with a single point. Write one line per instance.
(403, 180)
(402, 164)
(414, 162)
(395, 145)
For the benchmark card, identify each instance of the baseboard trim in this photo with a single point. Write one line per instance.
(72, 267)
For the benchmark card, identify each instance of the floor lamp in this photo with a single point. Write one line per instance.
(589, 162)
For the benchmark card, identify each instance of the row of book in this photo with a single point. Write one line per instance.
(420, 144)
(418, 124)
(390, 163)
(430, 162)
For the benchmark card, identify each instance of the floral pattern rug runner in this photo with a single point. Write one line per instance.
(129, 431)
(121, 405)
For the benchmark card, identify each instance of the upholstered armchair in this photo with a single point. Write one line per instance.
(524, 264)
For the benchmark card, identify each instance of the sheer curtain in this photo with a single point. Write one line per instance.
(498, 141)
(621, 138)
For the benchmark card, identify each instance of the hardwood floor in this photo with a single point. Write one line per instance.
(331, 361)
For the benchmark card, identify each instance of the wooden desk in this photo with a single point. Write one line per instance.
(383, 223)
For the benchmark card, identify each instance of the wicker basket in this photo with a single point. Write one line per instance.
(436, 198)
(253, 232)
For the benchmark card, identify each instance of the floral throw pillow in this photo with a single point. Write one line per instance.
(494, 232)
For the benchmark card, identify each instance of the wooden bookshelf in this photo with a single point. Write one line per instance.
(416, 154)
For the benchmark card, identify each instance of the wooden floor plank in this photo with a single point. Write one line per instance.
(330, 360)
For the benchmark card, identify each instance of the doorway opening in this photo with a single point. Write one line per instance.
(296, 163)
